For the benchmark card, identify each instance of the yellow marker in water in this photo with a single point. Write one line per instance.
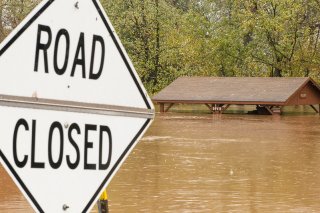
(103, 202)
(104, 195)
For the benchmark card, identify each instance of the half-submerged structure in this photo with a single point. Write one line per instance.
(218, 93)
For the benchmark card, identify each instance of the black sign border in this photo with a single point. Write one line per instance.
(124, 58)
(115, 41)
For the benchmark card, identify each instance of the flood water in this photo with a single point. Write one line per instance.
(214, 163)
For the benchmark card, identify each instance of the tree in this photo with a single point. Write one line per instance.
(266, 37)
(170, 38)
(12, 12)
(158, 37)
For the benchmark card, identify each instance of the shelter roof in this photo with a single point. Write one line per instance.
(232, 89)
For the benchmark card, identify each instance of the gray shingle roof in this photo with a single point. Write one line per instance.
(231, 89)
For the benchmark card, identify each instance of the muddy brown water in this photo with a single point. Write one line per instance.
(213, 163)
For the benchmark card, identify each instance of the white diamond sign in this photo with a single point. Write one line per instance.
(72, 106)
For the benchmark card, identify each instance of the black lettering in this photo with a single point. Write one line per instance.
(42, 46)
(88, 145)
(58, 126)
(75, 127)
(19, 163)
(34, 164)
(62, 70)
(96, 38)
(80, 61)
(107, 164)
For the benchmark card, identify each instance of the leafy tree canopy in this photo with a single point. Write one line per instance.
(170, 38)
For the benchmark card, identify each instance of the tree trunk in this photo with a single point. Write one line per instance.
(277, 72)
(1, 24)
(157, 57)
(248, 36)
(144, 34)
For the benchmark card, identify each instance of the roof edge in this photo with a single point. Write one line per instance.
(309, 79)
(219, 102)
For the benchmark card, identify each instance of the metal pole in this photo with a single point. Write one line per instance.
(103, 203)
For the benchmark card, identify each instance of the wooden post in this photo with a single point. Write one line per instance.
(161, 107)
(315, 109)
(209, 107)
(269, 110)
(224, 107)
(170, 105)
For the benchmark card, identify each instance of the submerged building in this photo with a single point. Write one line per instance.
(269, 95)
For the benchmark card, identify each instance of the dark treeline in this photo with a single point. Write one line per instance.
(166, 39)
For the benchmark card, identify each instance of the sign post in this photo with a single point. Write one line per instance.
(72, 106)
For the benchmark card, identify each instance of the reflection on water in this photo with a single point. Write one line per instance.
(214, 163)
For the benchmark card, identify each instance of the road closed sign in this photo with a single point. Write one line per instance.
(72, 106)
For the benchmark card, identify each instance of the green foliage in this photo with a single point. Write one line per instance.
(158, 37)
(166, 39)
(267, 37)
(218, 37)
(12, 12)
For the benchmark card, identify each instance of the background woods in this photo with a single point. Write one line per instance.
(170, 38)
(12, 13)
